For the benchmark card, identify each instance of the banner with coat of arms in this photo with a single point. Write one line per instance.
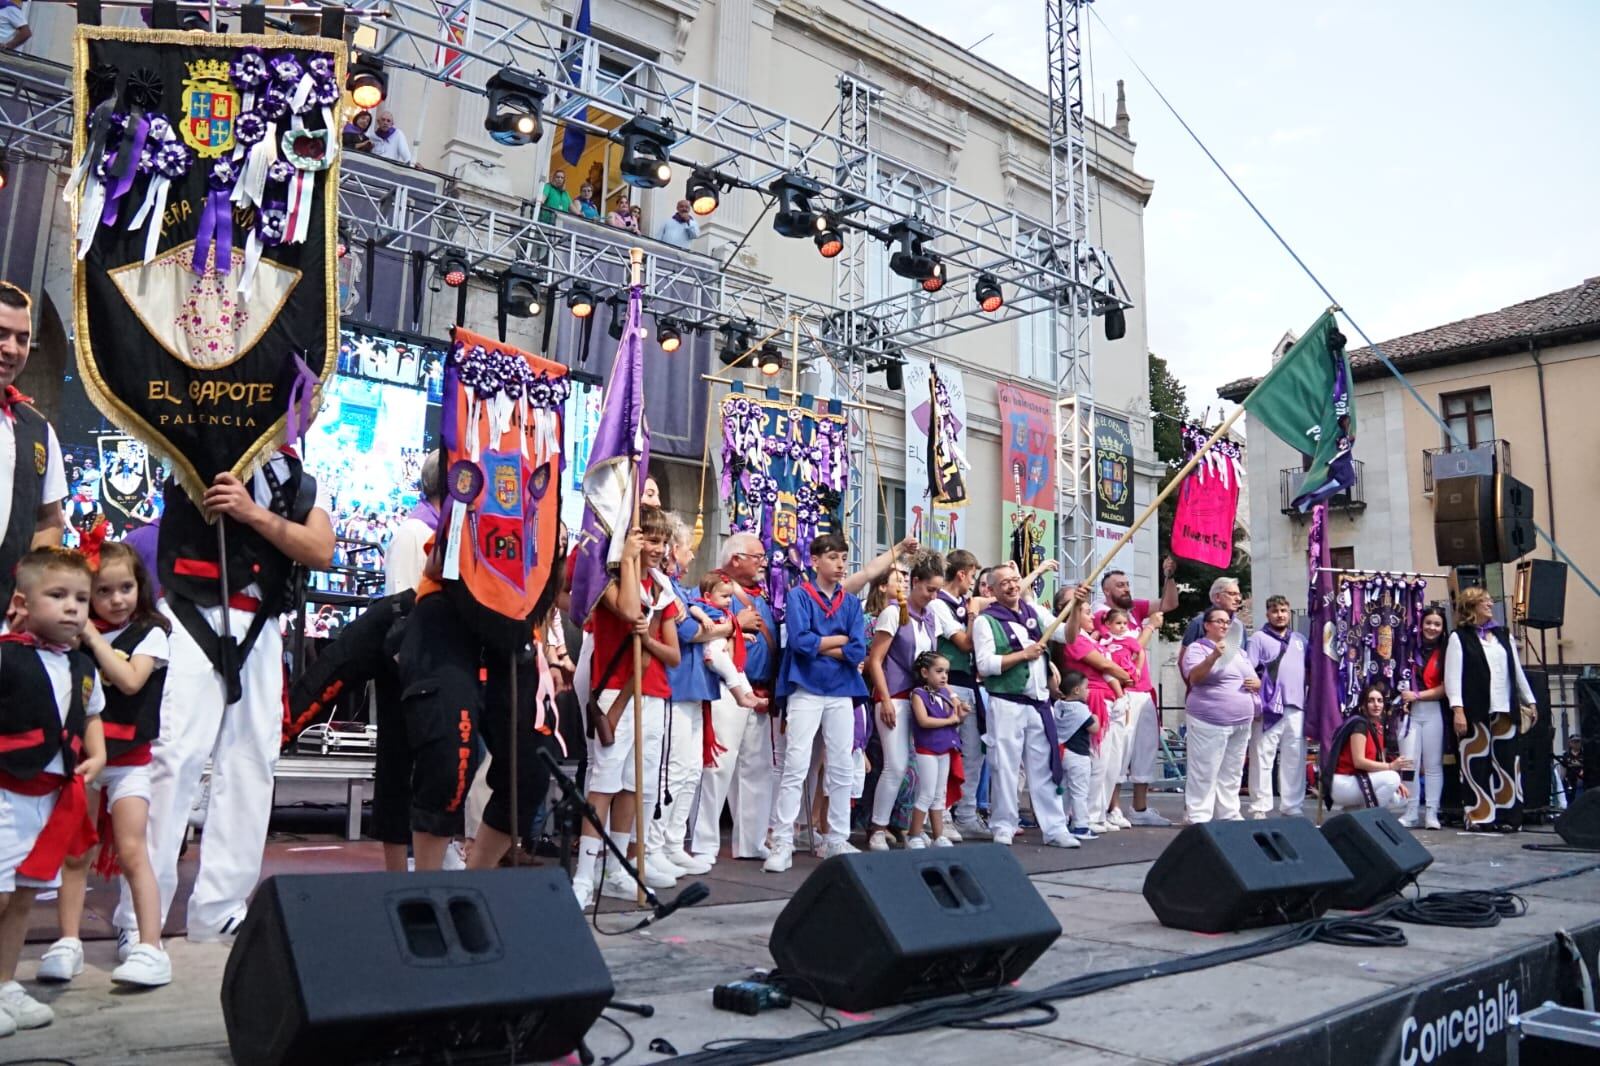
(204, 197)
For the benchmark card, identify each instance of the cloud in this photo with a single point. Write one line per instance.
(1296, 135)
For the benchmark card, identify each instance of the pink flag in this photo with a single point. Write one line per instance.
(1208, 500)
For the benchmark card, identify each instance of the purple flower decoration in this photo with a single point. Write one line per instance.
(286, 69)
(321, 65)
(249, 128)
(272, 224)
(249, 69)
(223, 174)
(274, 103)
(173, 160)
(160, 130)
(279, 170)
(325, 91)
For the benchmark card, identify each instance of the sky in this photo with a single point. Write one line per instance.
(1428, 160)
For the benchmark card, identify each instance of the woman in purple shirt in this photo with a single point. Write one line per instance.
(1219, 709)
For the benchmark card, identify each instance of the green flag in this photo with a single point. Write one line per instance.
(1305, 399)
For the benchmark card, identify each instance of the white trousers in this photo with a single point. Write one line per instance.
(1347, 793)
(1216, 767)
(1144, 744)
(741, 778)
(835, 718)
(933, 779)
(896, 744)
(242, 743)
(1285, 742)
(1016, 741)
(687, 758)
(972, 757)
(1423, 744)
(477, 799)
(1079, 768)
(1109, 761)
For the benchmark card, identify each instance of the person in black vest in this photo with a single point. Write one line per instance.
(224, 694)
(1482, 676)
(33, 480)
(50, 703)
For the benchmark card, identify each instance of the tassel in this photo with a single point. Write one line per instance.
(709, 748)
(105, 863)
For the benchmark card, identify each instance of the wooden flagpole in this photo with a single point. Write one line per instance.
(636, 269)
(1152, 508)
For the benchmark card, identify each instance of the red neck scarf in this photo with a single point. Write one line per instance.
(33, 640)
(10, 398)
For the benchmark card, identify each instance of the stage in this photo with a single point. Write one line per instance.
(1308, 1004)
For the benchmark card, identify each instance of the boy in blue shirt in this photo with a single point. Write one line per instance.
(821, 677)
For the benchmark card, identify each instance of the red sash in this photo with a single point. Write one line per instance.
(68, 831)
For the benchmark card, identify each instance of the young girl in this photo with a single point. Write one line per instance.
(128, 639)
(936, 734)
(724, 656)
(1122, 647)
(1365, 776)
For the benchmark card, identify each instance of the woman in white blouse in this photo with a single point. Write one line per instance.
(1482, 675)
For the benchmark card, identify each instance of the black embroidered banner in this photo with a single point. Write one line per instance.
(205, 193)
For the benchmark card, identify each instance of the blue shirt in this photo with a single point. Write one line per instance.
(761, 662)
(691, 679)
(806, 624)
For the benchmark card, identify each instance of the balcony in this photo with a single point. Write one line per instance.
(1490, 457)
(1351, 502)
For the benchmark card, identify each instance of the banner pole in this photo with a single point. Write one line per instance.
(516, 838)
(636, 267)
(1150, 509)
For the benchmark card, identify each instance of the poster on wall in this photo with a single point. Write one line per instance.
(936, 422)
(1028, 478)
(583, 421)
(1113, 484)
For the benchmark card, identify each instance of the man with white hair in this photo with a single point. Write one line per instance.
(390, 142)
(1225, 594)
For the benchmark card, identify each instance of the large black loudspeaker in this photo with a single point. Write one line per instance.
(1482, 518)
(1579, 824)
(1380, 852)
(1541, 593)
(1218, 877)
(874, 929)
(1537, 747)
(492, 965)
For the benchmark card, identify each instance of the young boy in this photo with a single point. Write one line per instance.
(821, 676)
(1279, 657)
(955, 607)
(634, 603)
(1076, 726)
(723, 656)
(50, 702)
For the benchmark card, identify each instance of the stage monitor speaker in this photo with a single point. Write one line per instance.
(430, 967)
(1482, 518)
(1537, 751)
(1218, 877)
(1589, 728)
(1541, 593)
(1380, 852)
(879, 928)
(1579, 824)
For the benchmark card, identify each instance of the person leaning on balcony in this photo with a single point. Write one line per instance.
(13, 26)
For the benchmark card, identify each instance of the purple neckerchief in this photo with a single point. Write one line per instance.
(426, 512)
(1271, 712)
(1002, 613)
(376, 132)
(1030, 625)
(902, 657)
(957, 605)
(1486, 630)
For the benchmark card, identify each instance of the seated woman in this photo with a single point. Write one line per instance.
(1364, 775)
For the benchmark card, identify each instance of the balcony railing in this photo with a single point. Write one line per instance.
(1354, 501)
(1490, 457)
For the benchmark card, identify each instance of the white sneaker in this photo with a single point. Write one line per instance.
(25, 1011)
(147, 967)
(225, 934)
(655, 875)
(917, 842)
(1002, 836)
(951, 833)
(455, 857)
(1410, 820)
(1148, 816)
(126, 938)
(1101, 827)
(804, 839)
(8, 1024)
(62, 961)
(686, 862)
(1063, 840)
(943, 842)
(780, 858)
(583, 888)
(971, 827)
(842, 847)
(1432, 821)
(663, 862)
(1117, 818)
(618, 885)
(202, 803)
(878, 841)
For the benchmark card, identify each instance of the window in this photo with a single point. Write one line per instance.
(1342, 558)
(1469, 416)
(1036, 344)
(891, 508)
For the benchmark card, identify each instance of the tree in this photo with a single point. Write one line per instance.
(1169, 404)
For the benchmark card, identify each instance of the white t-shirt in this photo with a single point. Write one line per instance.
(943, 625)
(60, 672)
(12, 19)
(155, 644)
(55, 473)
(407, 555)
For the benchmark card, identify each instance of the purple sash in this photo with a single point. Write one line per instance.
(1271, 711)
(899, 664)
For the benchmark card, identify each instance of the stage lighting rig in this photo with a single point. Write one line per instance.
(647, 151)
(772, 362)
(1116, 323)
(912, 261)
(702, 193)
(454, 268)
(795, 217)
(516, 105)
(735, 340)
(830, 242)
(365, 81)
(987, 293)
(668, 335)
(580, 300)
(519, 288)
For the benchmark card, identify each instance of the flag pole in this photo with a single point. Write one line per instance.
(636, 270)
(1152, 508)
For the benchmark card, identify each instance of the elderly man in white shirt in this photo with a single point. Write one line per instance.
(390, 142)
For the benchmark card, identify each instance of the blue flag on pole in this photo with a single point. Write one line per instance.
(618, 460)
(574, 139)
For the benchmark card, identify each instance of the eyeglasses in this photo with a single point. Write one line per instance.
(744, 555)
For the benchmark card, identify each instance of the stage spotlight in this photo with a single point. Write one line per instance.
(701, 192)
(519, 288)
(735, 341)
(894, 375)
(772, 362)
(935, 279)
(516, 102)
(912, 261)
(454, 269)
(668, 335)
(829, 241)
(646, 152)
(580, 301)
(795, 218)
(5, 169)
(365, 81)
(1116, 324)
(987, 293)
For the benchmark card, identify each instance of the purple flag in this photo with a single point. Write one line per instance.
(1323, 709)
(614, 477)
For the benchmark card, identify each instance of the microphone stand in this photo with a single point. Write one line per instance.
(569, 790)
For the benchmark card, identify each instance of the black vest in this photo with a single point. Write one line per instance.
(27, 491)
(132, 721)
(1475, 673)
(31, 732)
